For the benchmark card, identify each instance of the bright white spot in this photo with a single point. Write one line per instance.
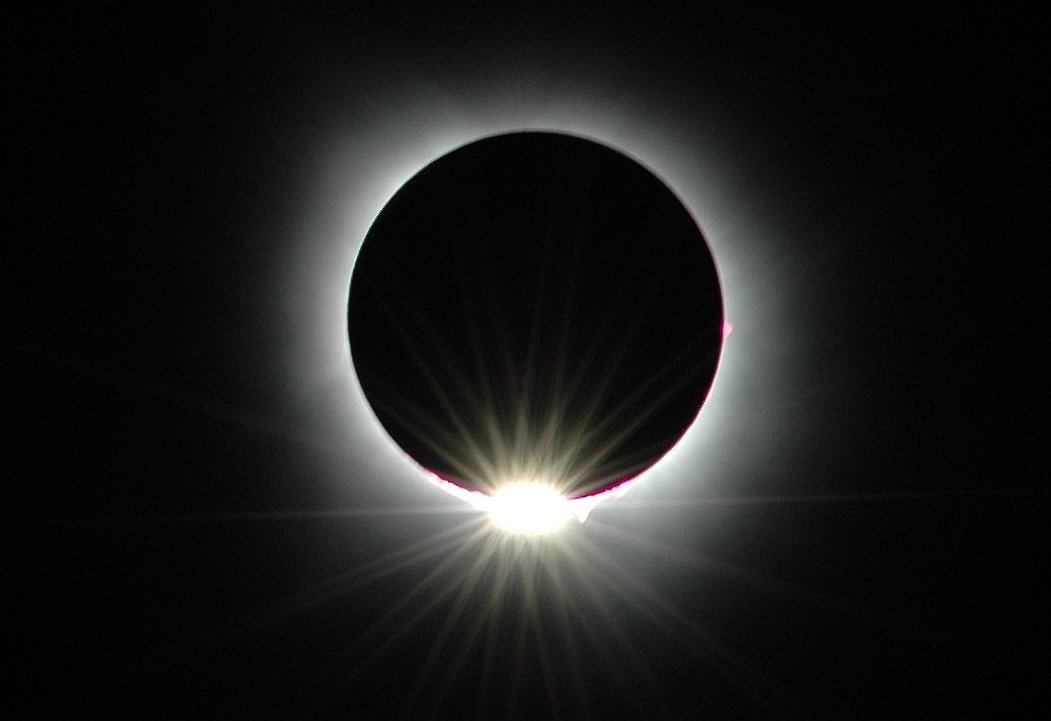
(528, 508)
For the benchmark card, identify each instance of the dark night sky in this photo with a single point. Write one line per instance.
(869, 182)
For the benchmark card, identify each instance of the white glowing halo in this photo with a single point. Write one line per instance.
(359, 168)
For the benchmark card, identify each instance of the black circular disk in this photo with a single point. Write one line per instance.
(535, 307)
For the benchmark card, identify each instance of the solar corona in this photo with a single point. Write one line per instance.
(535, 319)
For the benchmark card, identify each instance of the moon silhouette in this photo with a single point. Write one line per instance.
(535, 307)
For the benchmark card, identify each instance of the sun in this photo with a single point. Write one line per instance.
(528, 508)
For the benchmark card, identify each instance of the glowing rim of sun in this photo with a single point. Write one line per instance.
(357, 176)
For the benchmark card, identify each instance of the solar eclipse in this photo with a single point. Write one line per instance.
(535, 309)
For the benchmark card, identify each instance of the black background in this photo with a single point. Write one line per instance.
(156, 162)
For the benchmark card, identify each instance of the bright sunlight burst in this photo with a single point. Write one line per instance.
(528, 508)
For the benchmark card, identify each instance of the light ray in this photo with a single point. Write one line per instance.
(685, 632)
(753, 579)
(871, 497)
